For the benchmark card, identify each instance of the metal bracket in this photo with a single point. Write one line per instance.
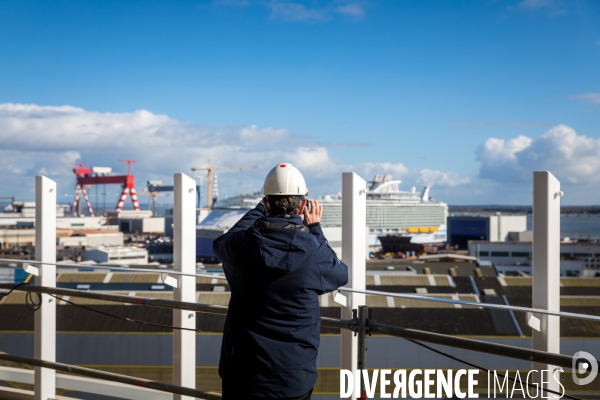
(30, 269)
(339, 298)
(168, 280)
(353, 325)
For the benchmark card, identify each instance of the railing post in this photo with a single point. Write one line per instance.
(354, 222)
(363, 316)
(546, 267)
(45, 317)
(184, 260)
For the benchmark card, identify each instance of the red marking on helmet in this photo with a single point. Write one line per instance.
(281, 165)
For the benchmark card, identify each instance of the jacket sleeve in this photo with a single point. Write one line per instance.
(334, 273)
(225, 245)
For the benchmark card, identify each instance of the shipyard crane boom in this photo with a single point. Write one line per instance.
(209, 168)
(156, 188)
(99, 175)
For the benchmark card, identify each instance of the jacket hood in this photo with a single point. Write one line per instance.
(281, 249)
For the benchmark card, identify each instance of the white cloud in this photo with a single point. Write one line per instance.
(440, 178)
(573, 158)
(286, 10)
(497, 152)
(353, 10)
(550, 7)
(289, 11)
(50, 139)
(369, 169)
(535, 4)
(593, 98)
(412, 175)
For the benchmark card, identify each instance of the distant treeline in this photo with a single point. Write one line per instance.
(521, 209)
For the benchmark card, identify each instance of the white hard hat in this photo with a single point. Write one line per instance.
(284, 179)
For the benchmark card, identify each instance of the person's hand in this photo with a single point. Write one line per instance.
(314, 215)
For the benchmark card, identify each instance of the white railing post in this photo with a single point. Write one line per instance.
(546, 268)
(184, 260)
(45, 317)
(354, 222)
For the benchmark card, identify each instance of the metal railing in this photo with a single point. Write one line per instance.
(133, 269)
(353, 357)
(112, 377)
(354, 324)
(362, 324)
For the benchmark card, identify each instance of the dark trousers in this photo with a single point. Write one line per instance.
(233, 391)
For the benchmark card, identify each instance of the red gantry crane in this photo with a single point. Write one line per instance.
(98, 176)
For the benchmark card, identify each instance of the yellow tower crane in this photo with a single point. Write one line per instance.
(209, 168)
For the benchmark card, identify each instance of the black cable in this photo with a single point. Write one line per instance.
(125, 318)
(31, 304)
(485, 369)
(12, 289)
(35, 306)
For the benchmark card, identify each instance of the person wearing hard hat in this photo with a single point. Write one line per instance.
(277, 264)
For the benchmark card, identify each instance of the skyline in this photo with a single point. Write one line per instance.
(467, 97)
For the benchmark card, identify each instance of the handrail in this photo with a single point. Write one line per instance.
(437, 338)
(111, 267)
(475, 304)
(148, 301)
(503, 350)
(341, 289)
(110, 376)
(138, 300)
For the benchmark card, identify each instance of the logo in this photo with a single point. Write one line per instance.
(582, 361)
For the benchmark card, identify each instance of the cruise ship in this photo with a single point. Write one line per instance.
(391, 211)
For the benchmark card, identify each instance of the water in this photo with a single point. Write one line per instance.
(577, 225)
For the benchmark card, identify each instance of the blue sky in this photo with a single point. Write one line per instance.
(467, 96)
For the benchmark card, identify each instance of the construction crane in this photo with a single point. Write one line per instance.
(209, 185)
(155, 189)
(99, 175)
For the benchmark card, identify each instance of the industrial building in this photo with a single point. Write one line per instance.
(15, 220)
(493, 228)
(16, 236)
(577, 258)
(117, 255)
(25, 235)
(89, 237)
(136, 221)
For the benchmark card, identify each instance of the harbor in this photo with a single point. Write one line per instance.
(494, 266)
(299, 200)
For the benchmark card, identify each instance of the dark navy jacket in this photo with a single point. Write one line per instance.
(271, 336)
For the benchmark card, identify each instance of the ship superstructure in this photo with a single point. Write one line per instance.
(391, 210)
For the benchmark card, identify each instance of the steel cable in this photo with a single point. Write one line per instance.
(125, 318)
(487, 370)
